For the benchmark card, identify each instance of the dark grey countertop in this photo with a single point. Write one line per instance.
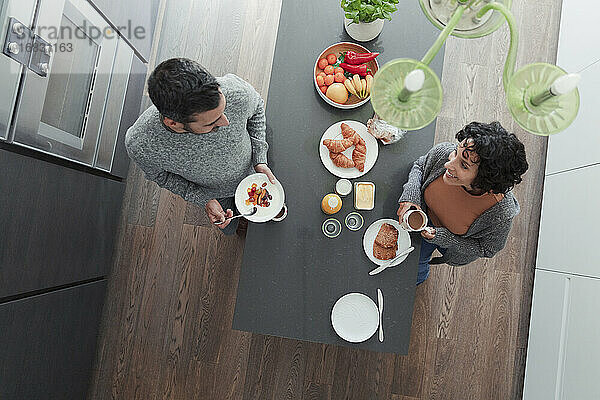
(292, 274)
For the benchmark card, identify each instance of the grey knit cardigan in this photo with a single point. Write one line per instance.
(488, 233)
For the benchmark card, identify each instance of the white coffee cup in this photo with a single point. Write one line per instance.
(414, 220)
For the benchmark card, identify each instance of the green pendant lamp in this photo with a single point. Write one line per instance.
(542, 98)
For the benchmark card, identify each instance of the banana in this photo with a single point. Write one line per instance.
(369, 84)
(350, 87)
(357, 85)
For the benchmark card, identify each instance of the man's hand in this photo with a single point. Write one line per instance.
(216, 214)
(404, 207)
(428, 233)
(263, 168)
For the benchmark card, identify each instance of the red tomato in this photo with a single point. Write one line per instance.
(322, 63)
(323, 89)
(338, 70)
(331, 58)
(320, 80)
(329, 80)
(339, 77)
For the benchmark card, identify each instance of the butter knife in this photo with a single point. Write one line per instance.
(380, 301)
(389, 263)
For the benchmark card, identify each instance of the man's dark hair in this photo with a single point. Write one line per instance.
(180, 88)
(501, 156)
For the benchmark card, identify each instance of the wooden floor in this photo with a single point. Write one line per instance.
(167, 323)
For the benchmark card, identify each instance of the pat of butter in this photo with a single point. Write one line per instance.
(364, 195)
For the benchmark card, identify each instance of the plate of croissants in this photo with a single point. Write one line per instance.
(347, 149)
(384, 239)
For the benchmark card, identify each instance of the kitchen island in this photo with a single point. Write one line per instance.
(292, 274)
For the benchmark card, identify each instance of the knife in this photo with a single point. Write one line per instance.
(389, 263)
(380, 301)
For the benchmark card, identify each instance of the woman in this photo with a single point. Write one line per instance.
(465, 190)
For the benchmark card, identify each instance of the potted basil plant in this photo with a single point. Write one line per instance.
(363, 19)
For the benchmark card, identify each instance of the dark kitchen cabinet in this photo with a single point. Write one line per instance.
(131, 112)
(135, 19)
(47, 343)
(59, 224)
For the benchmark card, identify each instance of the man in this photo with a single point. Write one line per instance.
(202, 136)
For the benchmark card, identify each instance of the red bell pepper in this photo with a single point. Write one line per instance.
(361, 70)
(354, 58)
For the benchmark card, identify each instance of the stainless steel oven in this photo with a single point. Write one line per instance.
(68, 87)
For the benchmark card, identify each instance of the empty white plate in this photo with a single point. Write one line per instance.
(355, 317)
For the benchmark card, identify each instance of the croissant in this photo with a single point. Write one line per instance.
(359, 155)
(359, 159)
(337, 146)
(347, 132)
(341, 160)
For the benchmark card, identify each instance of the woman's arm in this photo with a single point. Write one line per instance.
(486, 246)
(412, 188)
(421, 168)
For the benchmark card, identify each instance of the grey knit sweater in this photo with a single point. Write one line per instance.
(201, 167)
(488, 233)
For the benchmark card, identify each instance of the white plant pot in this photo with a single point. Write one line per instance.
(363, 32)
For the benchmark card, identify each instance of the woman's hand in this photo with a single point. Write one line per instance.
(404, 207)
(215, 213)
(428, 233)
(263, 168)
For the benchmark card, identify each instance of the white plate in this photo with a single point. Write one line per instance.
(355, 317)
(263, 214)
(371, 233)
(335, 132)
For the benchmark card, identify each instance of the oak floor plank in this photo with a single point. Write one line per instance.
(410, 370)
(346, 357)
(141, 211)
(184, 309)
(290, 367)
(320, 364)
(150, 327)
(121, 314)
(256, 55)
(401, 397)
(260, 377)
(218, 293)
(316, 391)
(232, 365)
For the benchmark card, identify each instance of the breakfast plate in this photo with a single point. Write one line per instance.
(335, 132)
(265, 212)
(369, 238)
(355, 317)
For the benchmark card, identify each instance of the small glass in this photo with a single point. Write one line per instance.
(354, 221)
(331, 228)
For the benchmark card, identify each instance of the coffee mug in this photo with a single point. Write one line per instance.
(414, 220)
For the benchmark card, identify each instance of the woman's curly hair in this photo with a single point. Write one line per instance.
(501, 155)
